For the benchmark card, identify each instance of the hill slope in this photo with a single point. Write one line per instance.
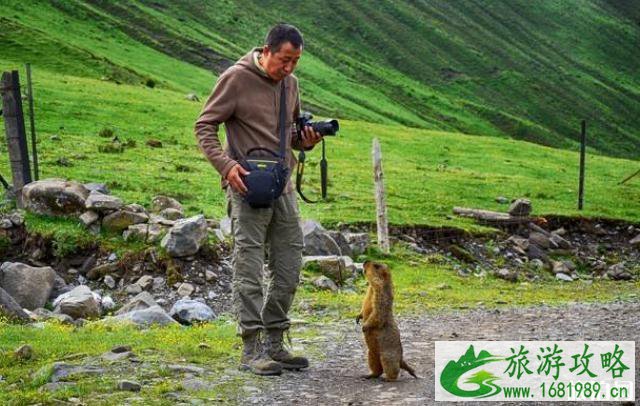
(528, 70)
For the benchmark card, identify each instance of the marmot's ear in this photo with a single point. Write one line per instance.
(386, 274)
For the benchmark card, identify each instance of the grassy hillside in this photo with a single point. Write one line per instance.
(426, 172)
(526, 70)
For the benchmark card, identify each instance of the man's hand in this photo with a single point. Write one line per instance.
(310, 137)
(234, 177)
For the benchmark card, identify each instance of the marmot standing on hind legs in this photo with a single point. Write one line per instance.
(380, 330)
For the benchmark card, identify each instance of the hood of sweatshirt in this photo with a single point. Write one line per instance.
(250, 62)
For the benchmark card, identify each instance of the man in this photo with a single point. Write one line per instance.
(246, 98)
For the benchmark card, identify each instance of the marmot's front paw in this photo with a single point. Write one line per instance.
(358, 318)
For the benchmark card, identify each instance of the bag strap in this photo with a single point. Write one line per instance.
(283, 121)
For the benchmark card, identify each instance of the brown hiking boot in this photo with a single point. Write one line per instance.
(255, 359)
(277, 352)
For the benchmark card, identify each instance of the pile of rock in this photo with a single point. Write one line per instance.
(333, 253)
(97, 209)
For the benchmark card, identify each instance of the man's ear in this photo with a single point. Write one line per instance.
(266, 50)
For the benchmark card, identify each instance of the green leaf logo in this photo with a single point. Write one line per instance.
(454, 370)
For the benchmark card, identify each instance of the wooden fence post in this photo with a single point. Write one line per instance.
(15, 131)
(381, 206)
(32, 124)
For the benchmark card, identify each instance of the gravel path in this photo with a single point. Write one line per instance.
(339, 360)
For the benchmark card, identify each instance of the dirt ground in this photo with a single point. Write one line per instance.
(338, 356)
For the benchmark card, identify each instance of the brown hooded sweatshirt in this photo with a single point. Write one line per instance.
(247, 101)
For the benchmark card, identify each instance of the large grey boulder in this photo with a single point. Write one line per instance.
(29, 286)
(185, 237)
(317, 240)
(100, 202)
(146, 317)
(10, 309)
(55, 197)
(187, 311)
(635, 240)
(331, 266)
(79, 303)
(342, 242)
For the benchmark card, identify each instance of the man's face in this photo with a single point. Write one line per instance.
(282, 63)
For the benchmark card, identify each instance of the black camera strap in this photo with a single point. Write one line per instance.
(324, 168)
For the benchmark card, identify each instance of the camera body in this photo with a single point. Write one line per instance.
(324, 128)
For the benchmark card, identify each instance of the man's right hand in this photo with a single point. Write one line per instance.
(234, 177)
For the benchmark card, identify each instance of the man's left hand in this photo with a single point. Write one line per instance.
(310, 137)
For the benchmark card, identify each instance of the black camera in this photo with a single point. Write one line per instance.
(325, 127)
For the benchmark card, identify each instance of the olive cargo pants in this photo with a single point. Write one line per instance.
(274, 231)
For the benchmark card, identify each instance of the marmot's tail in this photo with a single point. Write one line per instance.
(407, 368)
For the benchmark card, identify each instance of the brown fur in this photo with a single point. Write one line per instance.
(380, 329)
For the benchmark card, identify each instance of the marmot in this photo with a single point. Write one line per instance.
(380, 329)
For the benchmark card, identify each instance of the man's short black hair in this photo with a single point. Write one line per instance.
(282, 33)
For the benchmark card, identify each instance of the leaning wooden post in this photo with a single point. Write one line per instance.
(15, 130)
(381, 206)
(32, 124)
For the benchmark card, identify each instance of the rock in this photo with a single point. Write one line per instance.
(502, 200)
(560, 267)
(331, 266)
(24, 352)
(618, 272)
(635, 240)
(159, 203)
(195, 384)
(317, 240)
(102, 270)
(55, 197)
(148, 232)
(10, 309)
(130, 386)
(443, 286)
(564, 277)
(145, 317)
(17, 218)
(100, 202)
(558, 242)
(61, 371)
(107, 303)
(519, 242)
(507, 274)
(537, 264)
(89, 217)
(209, 276)
(79, 303)
(29, 286)
(186, 311)
(136, 208)
(5, 224)
(145, 282)
(325, 283)
(158, 283)
(44, 314)
(56, 386)
(359, 242)
(540, 239)
(143, 300)
(185, 237)
(97, 187)
(187, 369)
(520, 208)
(185, 289)
(133, 289)
(59, 287)
(154, 143)
(535, 252)
(121, 219)
(109, 282)
(111, 356)
(171, 214)
(192, 97)
(342, 242)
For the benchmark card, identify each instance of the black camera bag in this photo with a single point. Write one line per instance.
(268, 174)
